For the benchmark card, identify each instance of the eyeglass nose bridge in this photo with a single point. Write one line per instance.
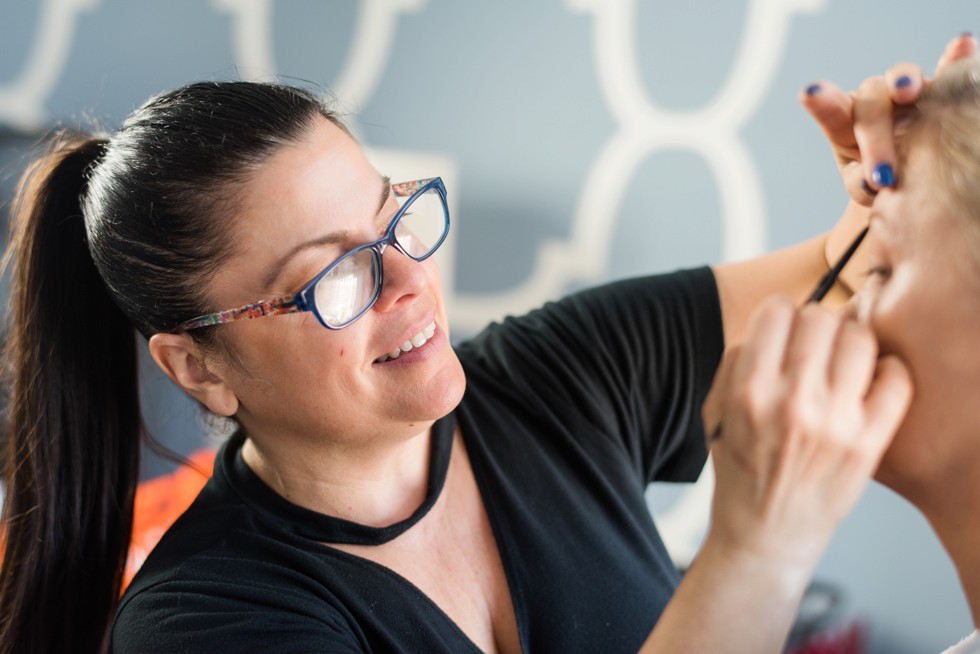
(377, 250)
(379, 247)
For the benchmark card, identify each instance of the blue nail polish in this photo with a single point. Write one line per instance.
(903, 81)
(966, 35)
(883, 175)
(813, 89)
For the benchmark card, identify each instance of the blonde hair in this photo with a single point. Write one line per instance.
(947, 119)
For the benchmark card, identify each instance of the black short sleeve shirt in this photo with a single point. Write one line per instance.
(569, 412)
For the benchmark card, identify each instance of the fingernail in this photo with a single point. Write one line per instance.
(966, 35)
(813, 89)
(883, 175)
(903, 81)
(867, 188)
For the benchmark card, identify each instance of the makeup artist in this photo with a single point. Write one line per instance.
(366, 503)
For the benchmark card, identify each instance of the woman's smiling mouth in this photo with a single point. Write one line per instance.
(416, 341)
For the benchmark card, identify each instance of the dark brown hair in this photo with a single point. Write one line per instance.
(109, 234)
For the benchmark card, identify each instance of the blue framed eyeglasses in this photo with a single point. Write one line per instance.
(345, 290)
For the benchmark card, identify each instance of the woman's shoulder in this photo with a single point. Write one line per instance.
(678, 298)
(221, 580)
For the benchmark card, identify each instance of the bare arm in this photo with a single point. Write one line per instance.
(791, 272)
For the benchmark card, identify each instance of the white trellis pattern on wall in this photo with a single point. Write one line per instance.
(721, 132)
(712, 132)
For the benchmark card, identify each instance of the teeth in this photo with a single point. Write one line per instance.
(416, 341)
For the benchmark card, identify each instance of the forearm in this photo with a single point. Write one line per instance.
(730, 603)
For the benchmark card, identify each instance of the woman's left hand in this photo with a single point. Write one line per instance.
(860, 125)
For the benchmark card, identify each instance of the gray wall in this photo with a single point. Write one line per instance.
(582, 140)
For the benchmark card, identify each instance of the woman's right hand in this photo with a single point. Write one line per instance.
(805, 410)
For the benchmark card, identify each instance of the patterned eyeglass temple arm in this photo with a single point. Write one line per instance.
(405, 189)
(276, 307)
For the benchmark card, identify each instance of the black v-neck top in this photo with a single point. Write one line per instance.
(569, 413)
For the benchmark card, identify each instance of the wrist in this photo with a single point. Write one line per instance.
(782, 572)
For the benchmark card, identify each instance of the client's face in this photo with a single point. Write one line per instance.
(923, 301)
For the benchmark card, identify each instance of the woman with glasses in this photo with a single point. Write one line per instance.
(365, 502)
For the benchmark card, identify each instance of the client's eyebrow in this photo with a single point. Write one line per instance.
(332, 238)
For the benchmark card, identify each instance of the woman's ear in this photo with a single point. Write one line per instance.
(181, 359)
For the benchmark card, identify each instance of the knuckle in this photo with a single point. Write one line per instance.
(839, 428)
(872, 86)
(801, 412)
(753, 399)
(776, 309)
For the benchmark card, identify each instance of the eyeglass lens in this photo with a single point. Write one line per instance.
(351, 286)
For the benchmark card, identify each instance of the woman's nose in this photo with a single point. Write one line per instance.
(403, 279)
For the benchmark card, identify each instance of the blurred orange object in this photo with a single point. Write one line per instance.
(160, 501)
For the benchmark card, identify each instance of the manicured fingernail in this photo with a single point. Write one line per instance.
(966, 35)
(867, 188)
(813, 89)
(903, 81)
(883, 175)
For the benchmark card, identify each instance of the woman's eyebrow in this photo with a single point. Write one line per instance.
(385, 192)
(381, 219)
(332, 238)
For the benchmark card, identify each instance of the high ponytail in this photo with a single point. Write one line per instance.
(73, 420)
(130, 226)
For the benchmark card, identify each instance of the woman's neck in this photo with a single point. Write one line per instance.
(375, 485)
(953, 516)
